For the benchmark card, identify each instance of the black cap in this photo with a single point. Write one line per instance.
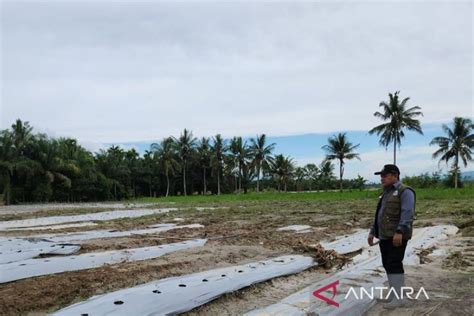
(388, 169)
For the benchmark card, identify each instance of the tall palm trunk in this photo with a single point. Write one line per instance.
(204, 179)
(240, 179)
(218, 182)
(258, 177)
(341, 172)
(456, 160)
(184, 178)
(394, 152)
(149, 187)
(7, 191)
(167, 183)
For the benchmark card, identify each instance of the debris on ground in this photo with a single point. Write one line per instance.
(423, 254)
(324, 258)
(456, 261)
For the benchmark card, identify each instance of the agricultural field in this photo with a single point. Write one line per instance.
(255, 251)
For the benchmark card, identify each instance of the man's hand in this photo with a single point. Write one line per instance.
(397, 240)
(370, 240)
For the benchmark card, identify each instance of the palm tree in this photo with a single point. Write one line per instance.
(326, 173)
(132, 162)
(204, 154)
(234, 152)
(13, 162)
(112, 164)
(261, 155)
(218, 149)
(6, 164)
(53, 165)
(458, 144)
(311, 172)
(21, 134)
(339, 148)
(240, 154)
(243, 159)
(147, 165)
(185, 145)
(282, 169)
(166, 156)
(300, 175)
(398, 118)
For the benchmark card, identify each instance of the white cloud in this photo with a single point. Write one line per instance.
(126, 71)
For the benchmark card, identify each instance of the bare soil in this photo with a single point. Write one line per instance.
(240, 233)
(448, 283)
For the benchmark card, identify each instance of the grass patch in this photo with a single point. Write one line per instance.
(422, 194)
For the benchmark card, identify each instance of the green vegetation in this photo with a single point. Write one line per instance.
(398, 118)
(37, 168)
(339, 148)
(457, 145)
(422, 194)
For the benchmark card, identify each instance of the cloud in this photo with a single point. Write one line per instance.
(131, 71)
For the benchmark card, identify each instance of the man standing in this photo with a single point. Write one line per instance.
(393, 227)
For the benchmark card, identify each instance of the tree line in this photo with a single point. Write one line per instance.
(38, 168)
(35, 167)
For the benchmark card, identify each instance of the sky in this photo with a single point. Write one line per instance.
(133, 72)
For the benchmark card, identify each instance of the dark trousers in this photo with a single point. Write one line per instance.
(392, 257)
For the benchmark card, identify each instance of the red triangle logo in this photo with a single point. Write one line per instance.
(332, 286)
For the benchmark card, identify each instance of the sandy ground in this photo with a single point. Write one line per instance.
(239, 234)
(449, 282)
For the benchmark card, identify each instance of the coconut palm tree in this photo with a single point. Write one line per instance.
(166, 156)
(13, 161)
(458, 144)
(234, 152)
(261, 155)
(53, 165)
(204, 156)
(147, 165)
(339, 148)
(21, 134)
(399, 118)
(242, 155)
(300, 175)
(282, 169)
(218, 151)
(6, 164)
(132, 161)
(185, 145)
(311, 174)
(326, 174)
(112, 164)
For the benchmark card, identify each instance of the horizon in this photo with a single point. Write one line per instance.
(413, 157)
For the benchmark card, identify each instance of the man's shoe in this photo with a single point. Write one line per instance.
(383, 300)
(397, 281)
(396, 303)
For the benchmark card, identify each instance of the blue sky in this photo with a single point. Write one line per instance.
(133, 72)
